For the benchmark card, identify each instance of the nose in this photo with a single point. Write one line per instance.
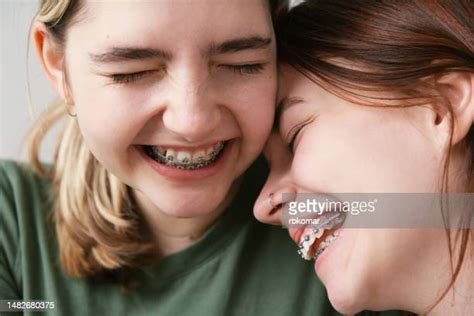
(192, 110)
(270, 204)
(278, 188)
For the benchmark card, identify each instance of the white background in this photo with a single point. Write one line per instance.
(15, 117)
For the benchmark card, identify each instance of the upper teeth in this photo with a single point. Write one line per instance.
(189, 156)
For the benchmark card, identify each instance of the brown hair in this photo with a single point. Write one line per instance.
(99, 228)
(396, 46)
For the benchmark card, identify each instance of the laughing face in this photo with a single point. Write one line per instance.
(175, 98)
(326, 145)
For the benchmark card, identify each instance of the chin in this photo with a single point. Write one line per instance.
(188, 210)
(347, 289)
(346, 301)
(348, 276)
(188, 204)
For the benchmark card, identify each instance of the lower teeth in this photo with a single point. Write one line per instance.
(187, 166)
(325, 244)
(305, 252)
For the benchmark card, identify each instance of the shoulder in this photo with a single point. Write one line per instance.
(20, 186)
(18, 178)
(25, 199)
(274, 266)
(22, 193)
(12, 171)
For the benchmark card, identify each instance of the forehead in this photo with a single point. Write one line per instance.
(292, 83)
(171, 21)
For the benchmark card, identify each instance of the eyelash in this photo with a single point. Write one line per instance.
(129, 78)
(293, 134)
(246, 69)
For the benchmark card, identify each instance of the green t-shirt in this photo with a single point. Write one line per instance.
(239, 267)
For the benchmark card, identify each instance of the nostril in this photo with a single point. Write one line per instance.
(276, 208)
(276, 205)
(271, 199)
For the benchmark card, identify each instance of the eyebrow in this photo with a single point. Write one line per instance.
(287, 103)
(284, 105)
(240, 44)
(120, 54)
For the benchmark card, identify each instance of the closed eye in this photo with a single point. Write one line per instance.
(130, 77)
(293, 133)
(246, 69)
(292, 136)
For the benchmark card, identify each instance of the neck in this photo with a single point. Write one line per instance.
(427, 290)
(459, 300)
(172, 234)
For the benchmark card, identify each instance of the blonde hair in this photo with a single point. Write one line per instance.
(97, 224)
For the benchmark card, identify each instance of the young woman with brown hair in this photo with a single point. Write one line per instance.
(378, 97)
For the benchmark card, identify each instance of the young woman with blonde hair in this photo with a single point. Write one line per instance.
(146, 208)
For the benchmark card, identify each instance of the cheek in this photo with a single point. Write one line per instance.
(359, 154)
(109, 118)
(108, 126)
(330, 157)
(107, 115)
(253, 107)
(105, 121)
(386, 250)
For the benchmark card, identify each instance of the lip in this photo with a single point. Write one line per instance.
(175, 174)
(189, 148)
(335, 243)
(296, 234)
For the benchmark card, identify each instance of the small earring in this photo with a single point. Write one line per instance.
(69, 107)
(281, 198)
(271, 197)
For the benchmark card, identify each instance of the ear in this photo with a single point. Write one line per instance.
(457, 89)
(51, 58)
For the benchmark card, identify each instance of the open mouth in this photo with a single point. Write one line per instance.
(317, 238)
(186, 159)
